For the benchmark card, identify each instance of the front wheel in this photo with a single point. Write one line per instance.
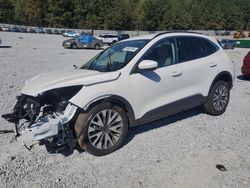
(102, 130)
(218, 98)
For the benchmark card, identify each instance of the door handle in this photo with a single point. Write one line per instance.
(176, 73)
(213, 64)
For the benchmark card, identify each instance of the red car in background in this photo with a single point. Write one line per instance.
(245, 69)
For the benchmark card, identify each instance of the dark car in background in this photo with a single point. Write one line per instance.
(23, 30)
(56, 32)
(245, 69)
(83, 41)
(14, 29)
(222, 33)
(227, 44)
(123, 36)
(48, 31)
(32, 30)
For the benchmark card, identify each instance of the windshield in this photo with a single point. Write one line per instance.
(116, 56)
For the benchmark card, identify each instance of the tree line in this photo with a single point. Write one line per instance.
(128, 14)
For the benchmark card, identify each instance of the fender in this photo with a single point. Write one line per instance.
(226, 76)
(116, 100)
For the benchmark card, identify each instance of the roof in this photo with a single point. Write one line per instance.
(170, 33)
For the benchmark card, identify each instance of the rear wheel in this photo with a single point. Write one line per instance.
(218, 98)
(73, 46)
(97, 46)
(102, 130)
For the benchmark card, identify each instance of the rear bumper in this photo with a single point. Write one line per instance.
(245, 70)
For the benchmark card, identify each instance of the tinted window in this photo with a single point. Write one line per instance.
(163, 53)
(191, 48)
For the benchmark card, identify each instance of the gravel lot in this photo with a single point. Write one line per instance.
(179, 151)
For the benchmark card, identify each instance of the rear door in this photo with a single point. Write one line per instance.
(199, 64)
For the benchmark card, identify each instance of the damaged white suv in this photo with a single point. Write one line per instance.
(130, 83)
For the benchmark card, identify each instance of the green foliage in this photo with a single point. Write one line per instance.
(128, 14)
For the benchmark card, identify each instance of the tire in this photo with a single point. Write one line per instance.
(96, 135)
(114, 41)
(73, 46)
(97, 46)
(218, 98)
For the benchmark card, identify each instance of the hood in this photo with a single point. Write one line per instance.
(58, 79)
(68, 40)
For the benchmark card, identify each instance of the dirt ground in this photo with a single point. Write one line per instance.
(178, 151)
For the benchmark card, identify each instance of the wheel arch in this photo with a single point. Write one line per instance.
(114, 99)
(225, 76)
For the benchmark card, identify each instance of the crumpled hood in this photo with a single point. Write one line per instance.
(58, 79)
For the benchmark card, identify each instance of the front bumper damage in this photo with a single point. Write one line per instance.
(47, 128)
(47, 118)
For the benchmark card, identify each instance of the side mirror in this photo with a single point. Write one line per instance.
(148, 65)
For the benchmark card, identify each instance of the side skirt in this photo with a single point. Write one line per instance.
(171, 108)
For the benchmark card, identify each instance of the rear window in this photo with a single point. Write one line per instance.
(191, 48)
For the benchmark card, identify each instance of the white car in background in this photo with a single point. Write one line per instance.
(135, 81)
(70, 33)
(108, 38)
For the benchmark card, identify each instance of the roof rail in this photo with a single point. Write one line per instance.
(176, 31)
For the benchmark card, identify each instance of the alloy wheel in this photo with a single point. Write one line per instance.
(220, 98)
(105, 129)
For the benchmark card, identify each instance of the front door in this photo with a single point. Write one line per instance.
(153, 90)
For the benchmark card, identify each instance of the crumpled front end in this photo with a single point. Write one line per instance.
(46, 117)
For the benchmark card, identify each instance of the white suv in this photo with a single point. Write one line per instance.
(108, 38)
(133, 82)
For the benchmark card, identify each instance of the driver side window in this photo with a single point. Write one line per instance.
(163, 53)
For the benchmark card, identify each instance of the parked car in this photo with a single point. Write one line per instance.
(245, 69)
(56, 32)
(14, 29)
(133, 82)
(108, 38)
(23, 30)
(123, 36)
(48, 31)
(70, 33)
(227, 43)
(83, 41)
(6, 28)
(40, 30)
(32, 30)
(222, 33)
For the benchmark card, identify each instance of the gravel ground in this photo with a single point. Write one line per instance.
(179, 151)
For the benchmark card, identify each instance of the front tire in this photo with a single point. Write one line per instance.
(218, 98)
(102, 130)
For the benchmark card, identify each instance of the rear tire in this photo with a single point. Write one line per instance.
(97, 46)
(73, 46)
(102, 130)
(218, 98)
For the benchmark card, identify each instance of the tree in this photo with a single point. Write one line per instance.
(6, 11)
